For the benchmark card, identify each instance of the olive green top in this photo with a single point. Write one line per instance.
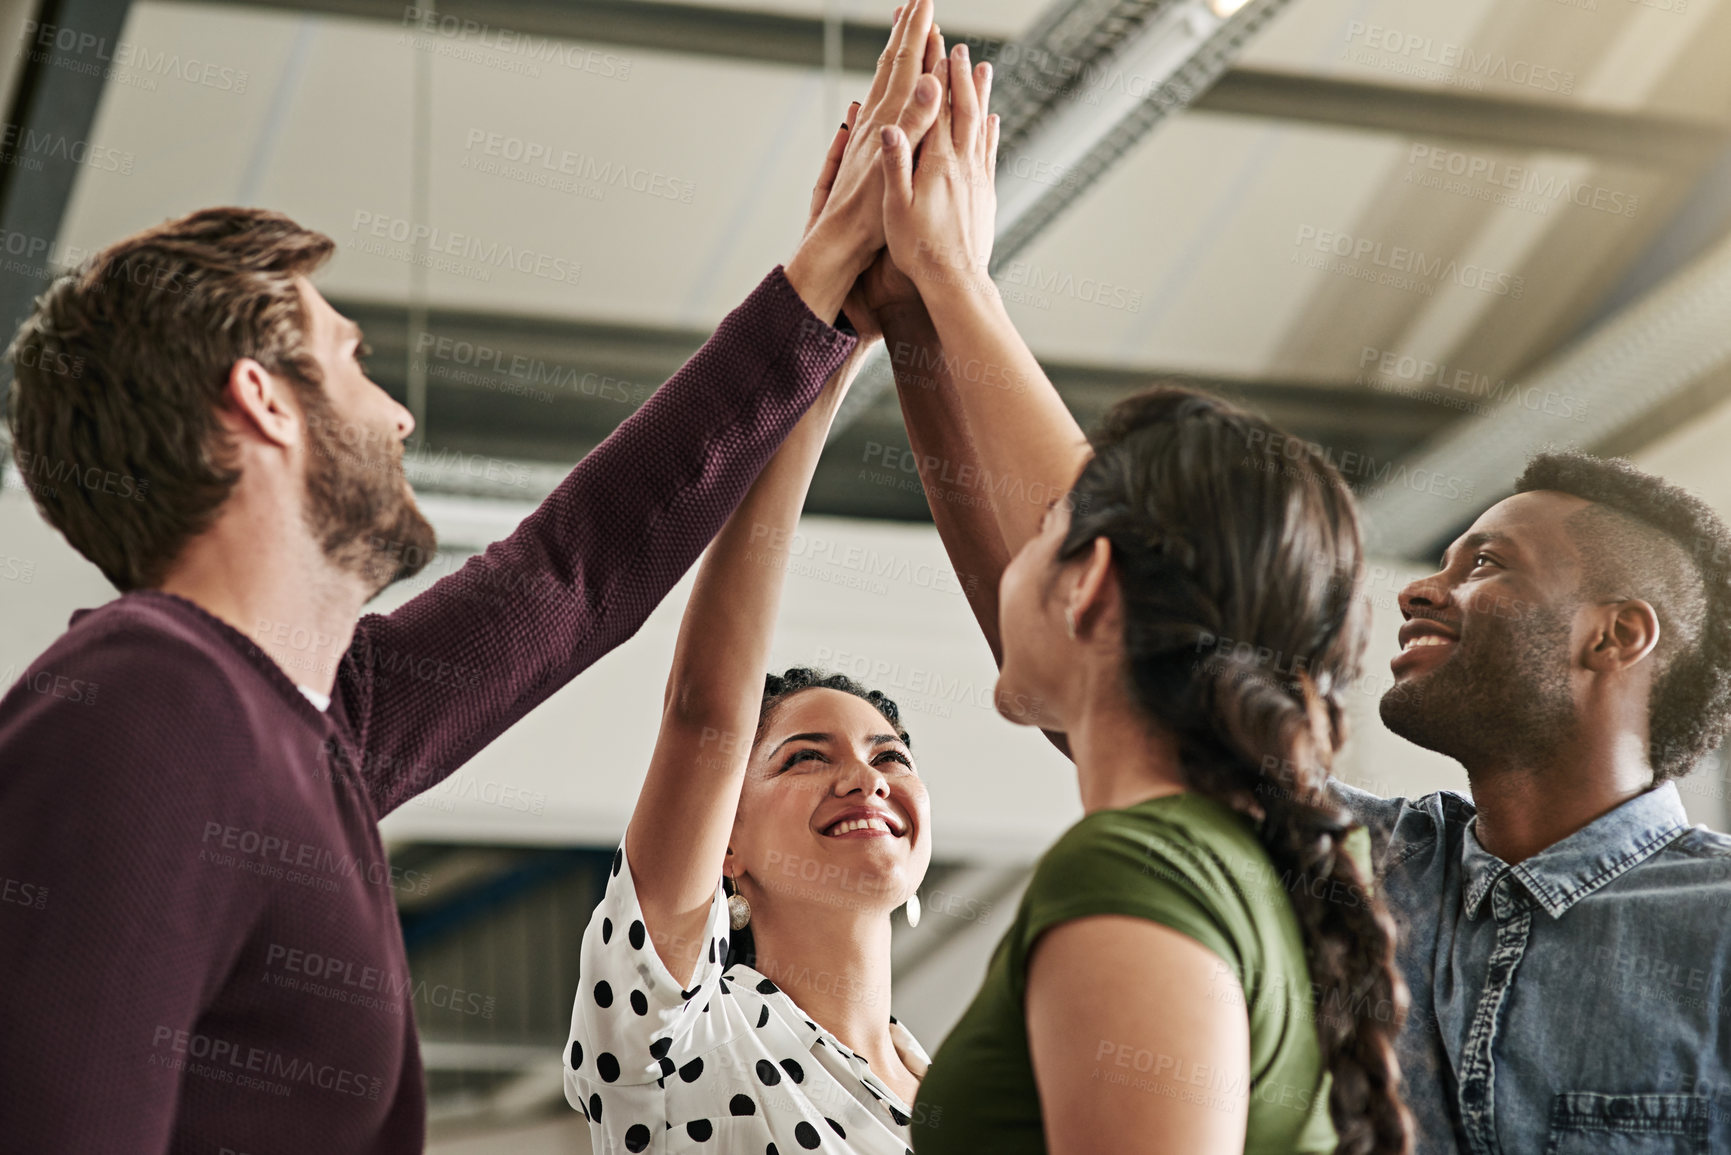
(1185, 862)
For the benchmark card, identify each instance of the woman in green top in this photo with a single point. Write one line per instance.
(1199, 966)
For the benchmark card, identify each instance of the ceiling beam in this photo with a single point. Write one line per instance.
(798, 41)
(1668, 352)
(48, 125)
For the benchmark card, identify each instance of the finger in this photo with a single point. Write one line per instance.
(910, 52)
(831, 165)
(898, 171)
(992, 146)
(852, 116)
(921, 112)
(964, 104)
(934, 49)
(881, 75)
(983, 87)
(942, 134)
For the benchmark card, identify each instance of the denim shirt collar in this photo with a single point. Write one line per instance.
(1562, 874)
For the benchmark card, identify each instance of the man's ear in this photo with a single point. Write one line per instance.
(1093, 591)
(1624, 634)
(260, 403)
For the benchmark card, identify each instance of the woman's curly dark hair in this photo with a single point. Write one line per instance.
(1238, 553)
(778, 688)
(1644, 537)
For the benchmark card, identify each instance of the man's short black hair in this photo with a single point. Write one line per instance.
(1646, 538)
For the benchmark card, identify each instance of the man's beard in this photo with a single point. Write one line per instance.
(358, 505)
(1503, 698)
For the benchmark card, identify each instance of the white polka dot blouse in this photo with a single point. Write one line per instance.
(731, 1065)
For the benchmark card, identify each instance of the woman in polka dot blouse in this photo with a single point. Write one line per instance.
(804, 795)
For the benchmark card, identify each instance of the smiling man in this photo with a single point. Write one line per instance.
(1564, 931)
(216, 962)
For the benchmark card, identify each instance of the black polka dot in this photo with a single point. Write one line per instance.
(723, 946)
(811, 1024)
(639, 1002)
(595, 1108)
(807, 1136)
(635, 934)
(901, 1119)
(618, 860)
(659, 1048)
(834, 1126)
(583, 1107)
(607, 1065)
(767, 1074)
(770, 1150)
(765, 987)
(723, 985)
(603, 994)
(576, 1054)
(706, 1008)
(606, 930)
(690, 994)
(637, 1138)
(711, 950)
(794, 1070)
(700, 1130)
(741, 1105)
(763, 1018)
(666, 1066)
(691, 1070)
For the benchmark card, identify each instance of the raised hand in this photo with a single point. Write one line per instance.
(939, 217)
(847, 231)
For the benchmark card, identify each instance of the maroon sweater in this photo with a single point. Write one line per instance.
(198, 937)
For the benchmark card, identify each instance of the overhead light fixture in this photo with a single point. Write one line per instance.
(1225, 8)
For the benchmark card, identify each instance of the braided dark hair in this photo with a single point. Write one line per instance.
(1238, 553)
(778, 688)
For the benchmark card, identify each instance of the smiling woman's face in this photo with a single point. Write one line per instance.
(833, 810)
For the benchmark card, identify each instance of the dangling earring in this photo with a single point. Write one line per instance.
(1070, 620)
(738, 910)
(914, 909)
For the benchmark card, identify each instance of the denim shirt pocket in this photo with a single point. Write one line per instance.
(1588, 1123)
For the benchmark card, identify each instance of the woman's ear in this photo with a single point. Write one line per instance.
(1093, 591)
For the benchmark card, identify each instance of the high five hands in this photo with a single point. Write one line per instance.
(900, 209)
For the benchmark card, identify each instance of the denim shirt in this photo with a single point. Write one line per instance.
(1577, 1002)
